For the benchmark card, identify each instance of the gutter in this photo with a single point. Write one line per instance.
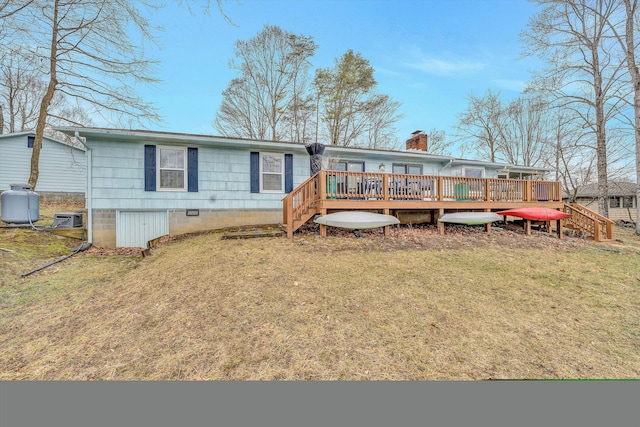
(88, 193)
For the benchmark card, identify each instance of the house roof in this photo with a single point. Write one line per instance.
(615, 189)
(33, 133)
(224, 141)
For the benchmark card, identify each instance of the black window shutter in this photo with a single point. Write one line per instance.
(30, 140)
(288, 173)
(192, 169)
(149, 168)
(255, 172)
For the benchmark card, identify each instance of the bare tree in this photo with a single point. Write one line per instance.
(299, 120)
(272, 67)
(632, 22)
(438, 142)
(300, 110)
(525, 130)
(481, 125)
(625, 32)
(11, 7)
(21, 89)
(343, 101)
(573, 162)
(91, 56)
(577, 169)
(240, 113)
(381, 114)
(584, 75)
(206, 7)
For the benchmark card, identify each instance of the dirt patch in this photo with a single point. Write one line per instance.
(456, 237)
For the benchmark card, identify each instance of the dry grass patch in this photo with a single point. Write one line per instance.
(412, 306)
(23, 249)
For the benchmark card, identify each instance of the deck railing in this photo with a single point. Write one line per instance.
(383, 186)
(299, 205)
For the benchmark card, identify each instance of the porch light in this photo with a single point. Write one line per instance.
(381, 167)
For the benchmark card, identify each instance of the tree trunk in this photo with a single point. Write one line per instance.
(601, 138)
(46, 101)
(634, 72)
(636, 106)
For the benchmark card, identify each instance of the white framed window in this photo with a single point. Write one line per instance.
(271, 172)
(172, 168)
(474, 172)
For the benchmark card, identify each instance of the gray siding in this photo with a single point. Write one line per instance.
(62, 167)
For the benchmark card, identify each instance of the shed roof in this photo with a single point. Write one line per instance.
(621, 188)
(33, 133)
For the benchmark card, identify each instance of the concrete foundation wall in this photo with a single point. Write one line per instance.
(104, 222)
(104, 228)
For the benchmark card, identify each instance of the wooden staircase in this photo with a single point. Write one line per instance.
(596, 226)
(299, 206)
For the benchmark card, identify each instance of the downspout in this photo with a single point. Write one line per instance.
(446, 166)
(88, 193)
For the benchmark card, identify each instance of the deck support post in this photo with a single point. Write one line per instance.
(440, 223)
(386, 227)
(289, 219)
(323, 228)
(487, 226)
(559, 228)
(527, 227)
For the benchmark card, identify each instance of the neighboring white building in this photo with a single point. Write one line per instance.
(63, 167)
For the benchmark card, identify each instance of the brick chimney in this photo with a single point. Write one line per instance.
(418, 141)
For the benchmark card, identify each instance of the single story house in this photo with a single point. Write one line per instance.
(63, 167)
(623, 201)
(145, 184)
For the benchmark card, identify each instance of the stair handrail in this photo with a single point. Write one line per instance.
(295, 202)
(601, 222)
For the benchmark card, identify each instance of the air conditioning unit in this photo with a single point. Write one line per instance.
(67, 220)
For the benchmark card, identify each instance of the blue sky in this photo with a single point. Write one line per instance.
(427, 54)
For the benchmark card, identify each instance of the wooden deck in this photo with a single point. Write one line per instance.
(331, 191)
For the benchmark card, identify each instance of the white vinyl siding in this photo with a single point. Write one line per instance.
(62, 167)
